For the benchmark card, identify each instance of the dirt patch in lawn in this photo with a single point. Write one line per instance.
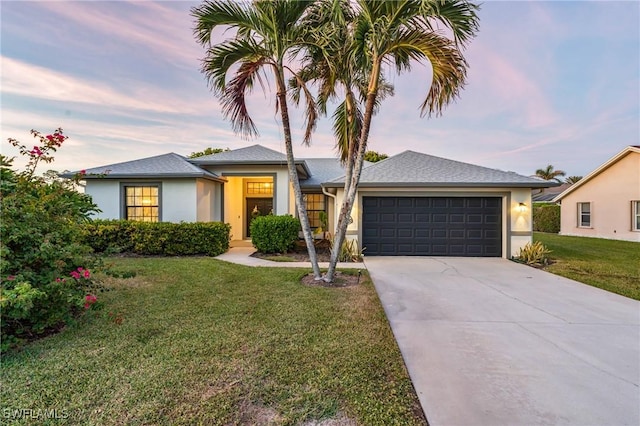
(340, 279)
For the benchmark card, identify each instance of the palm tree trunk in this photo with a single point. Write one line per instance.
(351, 149)
(352, 186)
(293, 173)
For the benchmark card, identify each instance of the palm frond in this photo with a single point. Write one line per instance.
(311, 112)
(460, 16)
(212, 14)
(347, 124)
(448, 65)
(234, 106)
(221, 57)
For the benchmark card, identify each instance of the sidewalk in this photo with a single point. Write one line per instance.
(242, 256)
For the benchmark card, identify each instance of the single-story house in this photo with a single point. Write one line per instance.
(606, 202)
(407, 204)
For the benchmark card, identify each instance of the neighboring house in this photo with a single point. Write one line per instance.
(546, 195)
(408, 204)
(606, 202)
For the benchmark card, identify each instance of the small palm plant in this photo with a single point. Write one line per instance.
(535, 254)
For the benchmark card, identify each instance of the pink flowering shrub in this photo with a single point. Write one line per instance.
(44, 262)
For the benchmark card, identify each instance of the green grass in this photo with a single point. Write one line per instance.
(608, 264)
(202, 341)
(279, 258)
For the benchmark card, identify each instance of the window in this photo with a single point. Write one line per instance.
(257, 188)
(584, 215)
(141, 203)
(635, 215)
(315, 205)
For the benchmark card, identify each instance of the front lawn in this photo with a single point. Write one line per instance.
(608, 264)
(200, 341)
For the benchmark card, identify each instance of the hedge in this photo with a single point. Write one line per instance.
(546, 218)
(274, 234)
(158, 238)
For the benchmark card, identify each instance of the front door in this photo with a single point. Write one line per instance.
(257, 207)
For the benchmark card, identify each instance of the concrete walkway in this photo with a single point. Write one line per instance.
(242, 256)
(492, 342)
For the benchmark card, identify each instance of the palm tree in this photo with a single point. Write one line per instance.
(572, 179)
(267, 33)
(549, 173)
(398, 32)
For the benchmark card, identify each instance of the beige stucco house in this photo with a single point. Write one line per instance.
(409, 204)
(606, 202)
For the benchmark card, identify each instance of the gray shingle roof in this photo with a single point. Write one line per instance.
(548, 194)
(412, 168)
(322, 170)
(255, 154)
(250, 154)
(166, 165)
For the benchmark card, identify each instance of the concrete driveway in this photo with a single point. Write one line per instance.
(492, 342)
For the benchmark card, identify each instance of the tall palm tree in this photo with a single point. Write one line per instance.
(549, 173)
(572, 179)
(398, 33)
(267, 34)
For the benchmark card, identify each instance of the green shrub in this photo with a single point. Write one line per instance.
(274, 234)
(349, 252)
(534, 254)
(158, 238)
(109, 236)
(546, 218)
(43, 282)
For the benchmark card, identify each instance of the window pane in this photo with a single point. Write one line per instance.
(315, 204)
(141, 203)
(586, 207)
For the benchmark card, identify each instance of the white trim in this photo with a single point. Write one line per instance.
(580, 214)
(635, 215)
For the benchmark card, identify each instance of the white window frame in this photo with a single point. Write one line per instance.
(581, 213)
(635, 215)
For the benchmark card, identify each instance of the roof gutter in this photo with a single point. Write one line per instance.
(335, 209)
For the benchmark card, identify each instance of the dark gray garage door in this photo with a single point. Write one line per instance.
(432, 226)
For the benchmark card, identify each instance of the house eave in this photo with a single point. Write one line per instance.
(300, 165)
(155, 176)
(445, 184)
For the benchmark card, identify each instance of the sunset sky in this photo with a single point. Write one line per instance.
(549, 83)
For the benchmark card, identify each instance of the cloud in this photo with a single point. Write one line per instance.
(23, 79)
(161, 29)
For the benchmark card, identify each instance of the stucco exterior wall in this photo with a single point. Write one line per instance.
(516, 220)
(233, 205)
(610, 194)
(234, 192)
(178, 201)
(106, 194)
(205, 196)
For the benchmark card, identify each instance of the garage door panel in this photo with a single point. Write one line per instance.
(387, 233)
(406, 218)
(432, 226)
(405, 233)
(422, 233)
(457, 233)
